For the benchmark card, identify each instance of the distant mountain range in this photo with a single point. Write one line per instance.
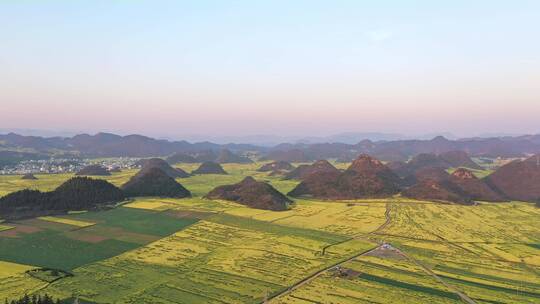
(266, 140)
(111, 145)
(401, 150)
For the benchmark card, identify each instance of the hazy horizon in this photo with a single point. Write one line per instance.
(269, 139)
(308, 68)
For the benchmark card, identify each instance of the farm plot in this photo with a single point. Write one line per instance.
(49, 248)
(487, 252)
(478, 273)
(67, 221)
(187, 204)
(137, 220)
(150, 205)
(501, 223)
(14, 280)
(118, 178)
(223, 259)
(334, 217)
(45, 182)
(337, 217)
(5, 227)
(381, 277)
(65, 243)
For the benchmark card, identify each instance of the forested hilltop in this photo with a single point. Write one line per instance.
(78, 193)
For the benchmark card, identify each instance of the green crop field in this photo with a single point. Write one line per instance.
(62, 245)
(52, 249)
(162, 250)
(137, 220)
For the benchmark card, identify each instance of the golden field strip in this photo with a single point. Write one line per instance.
(5, 227)
(488, 253)
(67, 221)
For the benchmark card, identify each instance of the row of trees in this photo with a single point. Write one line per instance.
(35, 299)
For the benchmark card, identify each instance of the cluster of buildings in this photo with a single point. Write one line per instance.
(54, 166)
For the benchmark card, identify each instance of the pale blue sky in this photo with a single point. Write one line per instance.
(279, 67)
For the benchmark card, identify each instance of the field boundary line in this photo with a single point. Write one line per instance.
(388, 220)
(362, 236)
(462, 295)
(317, 274)
(323, 252)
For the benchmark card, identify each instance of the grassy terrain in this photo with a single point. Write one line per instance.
(161, 250)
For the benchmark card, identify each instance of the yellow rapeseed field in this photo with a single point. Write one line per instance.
(72, 222)
(14, 281)
(149, 205)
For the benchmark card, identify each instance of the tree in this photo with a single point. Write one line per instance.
(35, 299)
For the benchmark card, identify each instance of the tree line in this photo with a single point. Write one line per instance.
(35, 299)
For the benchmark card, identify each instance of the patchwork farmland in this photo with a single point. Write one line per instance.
(195, 250)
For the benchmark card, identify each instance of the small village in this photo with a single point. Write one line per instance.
(59, 166)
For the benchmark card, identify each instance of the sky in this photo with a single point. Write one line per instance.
(234, 68)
